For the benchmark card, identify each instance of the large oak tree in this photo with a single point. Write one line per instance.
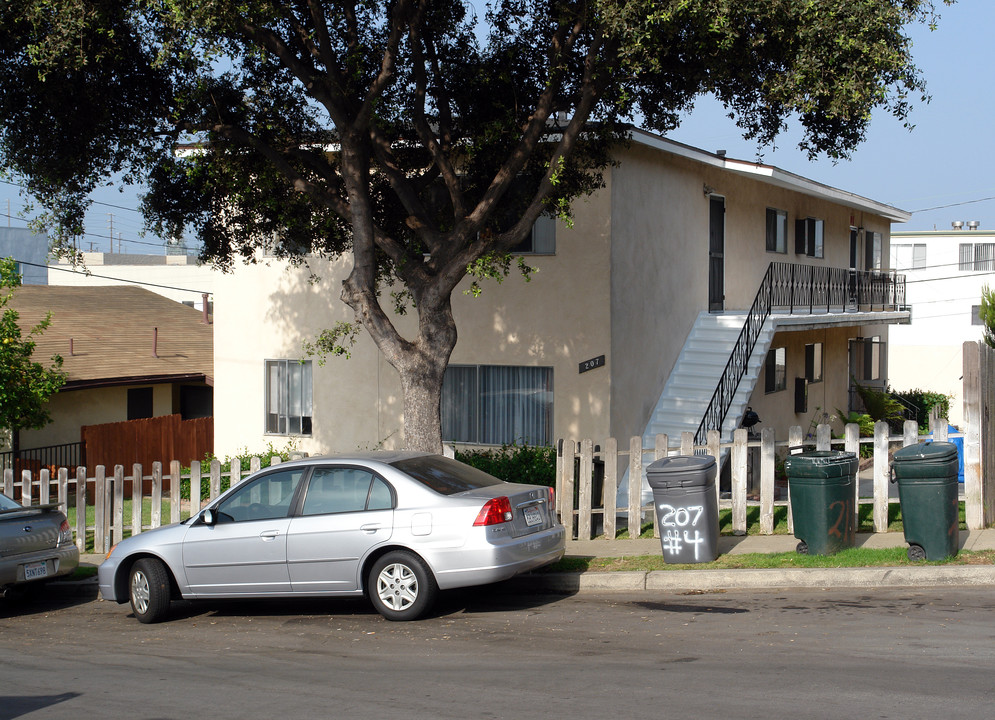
(423, 137)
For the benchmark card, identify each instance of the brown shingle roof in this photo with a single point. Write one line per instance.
(111, 329)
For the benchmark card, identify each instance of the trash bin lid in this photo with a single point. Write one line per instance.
(929, 451)
(681, 471)
(926, 459)
(821, 464)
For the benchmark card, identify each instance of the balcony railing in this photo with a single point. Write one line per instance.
(799, 289)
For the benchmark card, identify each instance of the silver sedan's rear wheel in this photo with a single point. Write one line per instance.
(148, 588)
(401, 587)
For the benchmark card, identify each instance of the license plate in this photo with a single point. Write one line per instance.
(532, 515)
(34, 571)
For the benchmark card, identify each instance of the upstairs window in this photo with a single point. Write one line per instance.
(809, 234)
(777, 231)
(542, 239)
(908, 256)
(872, 249)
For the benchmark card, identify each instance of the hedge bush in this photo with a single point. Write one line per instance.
(515, 463)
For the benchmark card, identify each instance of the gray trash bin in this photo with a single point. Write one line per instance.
(686, 507)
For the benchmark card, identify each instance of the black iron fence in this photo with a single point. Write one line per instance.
(70, 455)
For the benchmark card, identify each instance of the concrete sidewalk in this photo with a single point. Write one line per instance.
(718, 580)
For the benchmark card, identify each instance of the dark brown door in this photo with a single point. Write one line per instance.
(716, 253)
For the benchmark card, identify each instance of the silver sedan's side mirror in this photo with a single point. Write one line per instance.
(207, 517)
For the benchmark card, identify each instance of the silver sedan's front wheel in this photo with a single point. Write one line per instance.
(401, 586)
(149, 590)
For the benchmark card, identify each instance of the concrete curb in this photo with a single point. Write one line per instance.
(715, 580)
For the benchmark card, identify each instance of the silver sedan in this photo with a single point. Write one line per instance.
(397, 527)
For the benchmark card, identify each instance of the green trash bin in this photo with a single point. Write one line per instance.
(927, 489)
(821, 486)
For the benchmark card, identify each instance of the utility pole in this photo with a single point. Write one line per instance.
(111, 216)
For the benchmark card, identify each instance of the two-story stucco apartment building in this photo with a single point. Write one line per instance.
(625, 330)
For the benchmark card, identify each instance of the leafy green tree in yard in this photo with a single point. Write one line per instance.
(421, 137)
(987, 314)
(25, 385)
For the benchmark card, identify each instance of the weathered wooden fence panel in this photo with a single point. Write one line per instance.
(576, 471)
(110, 491)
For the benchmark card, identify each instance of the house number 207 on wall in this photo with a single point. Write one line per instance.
(678, 528)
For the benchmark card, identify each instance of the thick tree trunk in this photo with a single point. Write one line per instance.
(422, 386)
(422, 367)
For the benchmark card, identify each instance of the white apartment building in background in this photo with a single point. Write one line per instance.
(945, 271)
(177, 277)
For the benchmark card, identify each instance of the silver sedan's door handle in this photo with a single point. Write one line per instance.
(268, 535)
(371, 528)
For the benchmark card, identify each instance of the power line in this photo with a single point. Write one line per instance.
(108, 277)
(112, 239)
(956, 204)
(95, 202)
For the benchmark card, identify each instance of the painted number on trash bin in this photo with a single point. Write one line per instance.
(675, 523)
(843, 527)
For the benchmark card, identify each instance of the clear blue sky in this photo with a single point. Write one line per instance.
(946, 162)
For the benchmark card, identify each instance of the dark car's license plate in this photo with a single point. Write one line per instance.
(35, 571)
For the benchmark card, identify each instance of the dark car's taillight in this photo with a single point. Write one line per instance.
(494, 512)
(65, 533)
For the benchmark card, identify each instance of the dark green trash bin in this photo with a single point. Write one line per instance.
(821, 485)
(927, 489)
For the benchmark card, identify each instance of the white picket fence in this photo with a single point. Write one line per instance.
(109, 524)
(576, 465)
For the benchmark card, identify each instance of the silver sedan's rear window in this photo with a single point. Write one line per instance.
(444, 475)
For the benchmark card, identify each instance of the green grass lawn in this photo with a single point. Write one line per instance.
(852, 557)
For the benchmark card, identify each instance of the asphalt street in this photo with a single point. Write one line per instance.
(882, 653)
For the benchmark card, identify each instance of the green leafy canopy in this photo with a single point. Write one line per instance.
(422, 137)
(25, 385)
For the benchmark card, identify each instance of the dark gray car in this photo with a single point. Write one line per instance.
(36, 544)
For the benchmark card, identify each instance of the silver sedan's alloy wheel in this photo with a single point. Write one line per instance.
(397, 586)
(400, 586)
(140, 592)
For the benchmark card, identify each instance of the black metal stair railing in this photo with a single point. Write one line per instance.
(797, 289)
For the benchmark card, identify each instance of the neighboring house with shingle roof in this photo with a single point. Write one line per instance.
(128, 353)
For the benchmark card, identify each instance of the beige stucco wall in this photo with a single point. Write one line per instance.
(557, 320)
(658, 212)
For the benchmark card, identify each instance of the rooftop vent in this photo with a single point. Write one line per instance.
(957, 225)
(973, 225)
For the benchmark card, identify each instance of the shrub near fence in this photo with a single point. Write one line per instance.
(576, 463)
(109, 524)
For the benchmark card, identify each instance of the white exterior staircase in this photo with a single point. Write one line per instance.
(691, 384)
